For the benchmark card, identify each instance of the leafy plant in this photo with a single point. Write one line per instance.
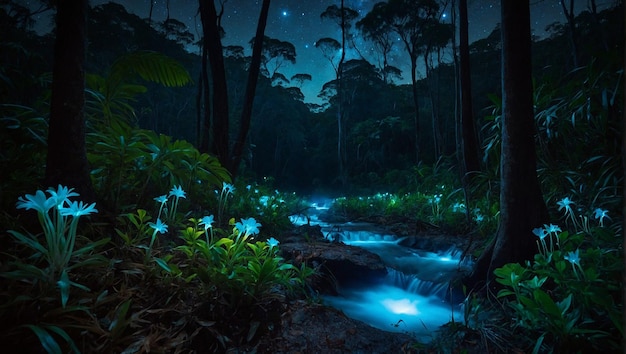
(566, 297)
(58, 217)
(130, 164)
(109, 98)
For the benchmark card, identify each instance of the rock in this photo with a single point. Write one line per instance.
(303, 233)
(335, 261)
(313, 328)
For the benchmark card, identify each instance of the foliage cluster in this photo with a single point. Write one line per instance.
(569, 296)
(433, 200)
(226, 287)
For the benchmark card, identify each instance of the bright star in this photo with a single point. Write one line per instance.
(284, 13)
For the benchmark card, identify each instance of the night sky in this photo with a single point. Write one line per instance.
(299, 23)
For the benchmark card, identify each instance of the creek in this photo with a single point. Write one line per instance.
(414, 297)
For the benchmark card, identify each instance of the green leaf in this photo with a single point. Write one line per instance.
(505, 292)
(29, 241)
(163, 264)
(537, 347)
(547, 304)
(64, 286)
(48, 343)
(252, 331)
(565, 304)
(120, 322)
(65, 336)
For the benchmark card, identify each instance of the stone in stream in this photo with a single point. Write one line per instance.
(335, 260)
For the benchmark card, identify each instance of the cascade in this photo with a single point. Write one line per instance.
(413, 297)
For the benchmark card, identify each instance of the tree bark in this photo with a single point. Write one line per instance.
(220, 144)
(67, 154)
(204, 103)
(468, 127)
(522, 207)
(416, 104)
(624, 190)
(253, 77)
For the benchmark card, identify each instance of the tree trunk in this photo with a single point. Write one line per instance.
(204, 103)
(416, 104)
(573, 34)
(253, 76)
(624, 190)
(208, 16)
(67, 154)
(468, 127)
(522, 207)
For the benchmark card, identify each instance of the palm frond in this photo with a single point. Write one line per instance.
(150, 66)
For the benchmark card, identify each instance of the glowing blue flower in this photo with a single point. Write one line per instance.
(248, 226)
(601, 214)
(161, 199)
(565, 203)
(540, 232)
(272, 242)
(61, 194)
(552, 228)
(207, 221)
(227, 187)
(77, 209)
(159, 226)
(178, 192)
(38, 201)
(573, 257)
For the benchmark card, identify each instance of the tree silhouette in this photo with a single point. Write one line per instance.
(522, 207)
(344, 17)
(409, 19)
(274, 55)
(66, 162)
(213, 51)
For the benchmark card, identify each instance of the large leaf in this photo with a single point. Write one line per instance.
(150, 66)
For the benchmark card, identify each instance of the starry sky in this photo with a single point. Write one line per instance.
(299, 22)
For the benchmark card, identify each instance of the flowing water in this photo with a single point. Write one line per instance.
(414, 297)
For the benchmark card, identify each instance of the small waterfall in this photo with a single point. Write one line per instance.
(352, 237)
(414, 285)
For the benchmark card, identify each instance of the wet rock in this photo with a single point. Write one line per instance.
(303, 233)
(336, 262)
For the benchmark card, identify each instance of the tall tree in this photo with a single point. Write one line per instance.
(522, 207)
(219, 120)
(469, 144)
(253, 77)
(376, 30)
(344, 17)
(437, 36)
(408, 18)
(67, 155)
(274, 55)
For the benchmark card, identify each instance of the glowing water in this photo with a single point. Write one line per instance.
(395, 309)
(411, 298)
